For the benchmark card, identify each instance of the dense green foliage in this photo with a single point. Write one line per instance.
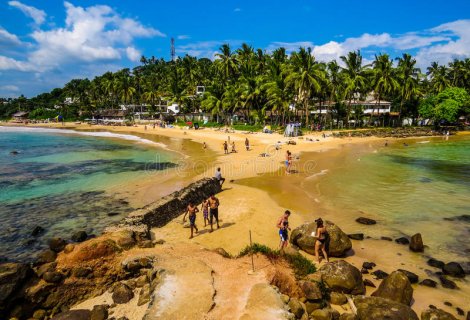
(263, 88)
(446, 105)
(301, 265)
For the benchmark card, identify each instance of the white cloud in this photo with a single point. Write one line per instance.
(9, 88)
(133, 54)
(8, 38)
(237, 10)
(7, 63)
(183, 37)
(39, 16)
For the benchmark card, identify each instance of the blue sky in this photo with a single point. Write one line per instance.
(44, 44)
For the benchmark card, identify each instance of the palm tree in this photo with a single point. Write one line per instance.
(227, 62)
(438, 75)
(305, 76)
(408, 76)
(384, 79)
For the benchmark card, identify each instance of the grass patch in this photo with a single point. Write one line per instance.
(301, 265)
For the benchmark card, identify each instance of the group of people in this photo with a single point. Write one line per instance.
(210, 211)
(234, 150)
(321, 235)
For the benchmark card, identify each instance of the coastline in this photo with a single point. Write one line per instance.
(249, 207)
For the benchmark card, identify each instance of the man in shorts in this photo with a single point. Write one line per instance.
(192, 210)
(214, 211)
(218, 176)
(283, 225)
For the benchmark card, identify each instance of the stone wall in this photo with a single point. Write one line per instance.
(161, 212)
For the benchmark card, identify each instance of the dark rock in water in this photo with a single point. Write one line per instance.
(402, 240)
(395, 287)
(416, 243)
(460, 311)
(99, 312)
(436, 314)
(379, 274)
(122, 294)
(356, 236)
(28, 242)
(435, 263)
(46, 256)
(57, 244)
(453, 269)
(80, 314)
(37, 231)
(342, 277)
(410, 275)
(446, 283)
(368, 265)
(14, 152)
(366, 221)
(52, 276)
(463, 218)
(79, 236)
(386, 238)
(369, 283)
(374, 308)
(428, 283)
(112, 214)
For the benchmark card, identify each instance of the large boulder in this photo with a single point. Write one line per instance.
(311, 290)
(416, 243)
(122, 294)
(342, 277)
(80, 314)
(57, 244)
(436, 314)
(339, 242)
(296, 308)
(395, 287)
(453, 269)
(374, 308)
(12, 277)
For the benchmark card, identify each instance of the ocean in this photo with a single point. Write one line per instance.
(65, 181)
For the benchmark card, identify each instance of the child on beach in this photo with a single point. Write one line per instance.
(205, 211)
(192, 210)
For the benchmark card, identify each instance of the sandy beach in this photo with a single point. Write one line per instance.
(251, 201)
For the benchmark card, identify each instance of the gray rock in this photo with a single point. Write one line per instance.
(311, 290)
(39, 314)
(374, 308)
(428, 283)
(12, 277)
(356, 236)
(338, 298)
(79, 236)
(57, 244)
(369, 283)
(366, 221)
(144, 295)
(446, 283)
(325, 314)
(395, 287)
(342, 277)
(99, 312)
(435, 263)
(413, 277)
(453, 269)
(379, 274)
(46, 256)
(122, 294)
(52, 276)
(347, 316)
(416, 243)
(436, 314)
(402, 240)
(368, 265)
(296, 308)
(312, 306)
(80, 314)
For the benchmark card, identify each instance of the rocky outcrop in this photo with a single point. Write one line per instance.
(404, 132)
(436, 314)
(342, 277)
(373, 308)
(167, 208)
(395, 287)
(339, 242)
(80, 314)
(122, 294)
(453, 269)
(311, 289)
(416, 243)
(12, 278)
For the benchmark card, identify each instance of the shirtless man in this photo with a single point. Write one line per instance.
(283, 225)
(205, 211)
(192, 210)
(214, 211)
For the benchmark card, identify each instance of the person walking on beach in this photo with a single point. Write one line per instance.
(213, 211)
(320, 244)
(283, 225)
(204, 145)
(192, 210)
(218, 176)
(288, 161)
(247, 144)
(205, 211)
(225, 147)
(233, 147)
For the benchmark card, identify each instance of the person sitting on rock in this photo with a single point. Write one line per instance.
(320, 243)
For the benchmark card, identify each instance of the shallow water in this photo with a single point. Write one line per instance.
(422, 187)
(59, 180)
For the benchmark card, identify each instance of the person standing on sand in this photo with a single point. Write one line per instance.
(225, 147)
(218, 176)
(213, 211)
(283, 225)
(247, 144)
(192, 210)
(204, 145)
(322, 236)
(233, 147)
(205, 211)
(288, 161)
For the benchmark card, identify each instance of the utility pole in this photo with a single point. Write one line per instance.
(173, 55)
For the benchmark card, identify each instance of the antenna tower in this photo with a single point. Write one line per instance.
(173, 55)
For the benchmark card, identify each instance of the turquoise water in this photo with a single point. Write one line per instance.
(423, 186)
(59, 180)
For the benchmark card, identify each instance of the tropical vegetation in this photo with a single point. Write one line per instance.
(260, 87)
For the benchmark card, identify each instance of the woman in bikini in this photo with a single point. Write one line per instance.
(321, 234)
